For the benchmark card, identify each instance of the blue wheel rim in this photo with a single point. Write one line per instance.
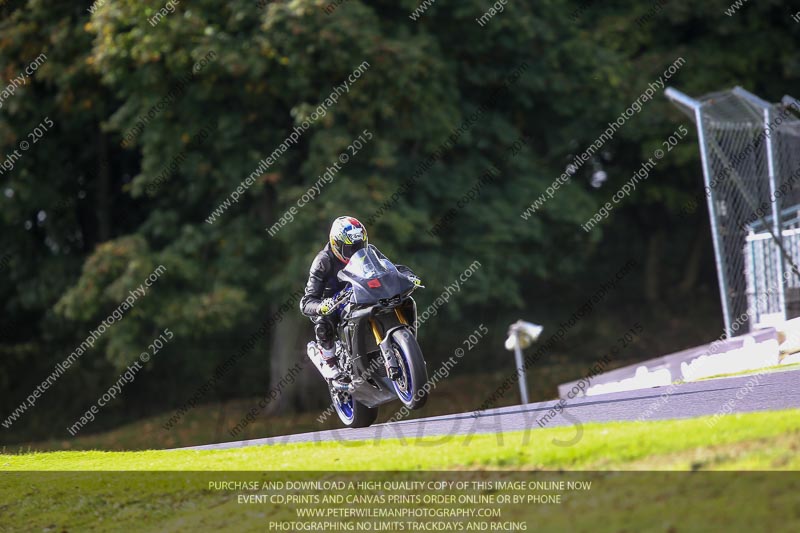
(408, 394)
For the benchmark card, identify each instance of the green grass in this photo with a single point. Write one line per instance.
(169, 490)
(759, 437)
(765, 370)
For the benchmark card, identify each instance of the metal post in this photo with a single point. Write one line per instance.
(711, 198)
(777, 230)
(776, 210)
(719, 256)
(523, 381)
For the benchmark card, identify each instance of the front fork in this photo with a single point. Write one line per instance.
(385, 344)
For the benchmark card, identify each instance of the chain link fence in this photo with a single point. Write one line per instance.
(750, 153)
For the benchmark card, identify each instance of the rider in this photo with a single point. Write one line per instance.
(347, 236)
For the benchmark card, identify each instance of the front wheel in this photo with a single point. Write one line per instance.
(410, 386)
(352, 413)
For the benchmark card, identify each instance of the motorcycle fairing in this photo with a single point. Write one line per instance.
(373, 277)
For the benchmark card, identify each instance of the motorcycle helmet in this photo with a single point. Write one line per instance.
(347, 236)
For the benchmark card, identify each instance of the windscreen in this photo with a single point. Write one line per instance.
(369, 263)
(373, 277)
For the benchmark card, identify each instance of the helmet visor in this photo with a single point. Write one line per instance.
(349, 249)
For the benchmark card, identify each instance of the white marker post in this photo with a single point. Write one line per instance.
(521, 335)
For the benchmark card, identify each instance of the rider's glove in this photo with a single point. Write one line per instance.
(415, 280)
(326, 306)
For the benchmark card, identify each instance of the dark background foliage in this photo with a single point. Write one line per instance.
(79, 228)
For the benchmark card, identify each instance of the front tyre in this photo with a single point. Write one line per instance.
(410, 386)
(352, 413)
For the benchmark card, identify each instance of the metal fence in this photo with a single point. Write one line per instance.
(750, 153)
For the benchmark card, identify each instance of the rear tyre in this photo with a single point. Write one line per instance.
(353, 414)
(410, 386)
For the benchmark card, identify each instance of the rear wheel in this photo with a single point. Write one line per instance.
(410, 386)
(352, 413)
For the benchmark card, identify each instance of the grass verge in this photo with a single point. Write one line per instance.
(764, 370)
(758, 436)
(173, 491)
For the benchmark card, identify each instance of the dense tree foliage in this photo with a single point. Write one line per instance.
(156, 125)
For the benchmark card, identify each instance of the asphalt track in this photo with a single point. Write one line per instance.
(764, 392)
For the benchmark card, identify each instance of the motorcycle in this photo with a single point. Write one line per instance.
(377, 349)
